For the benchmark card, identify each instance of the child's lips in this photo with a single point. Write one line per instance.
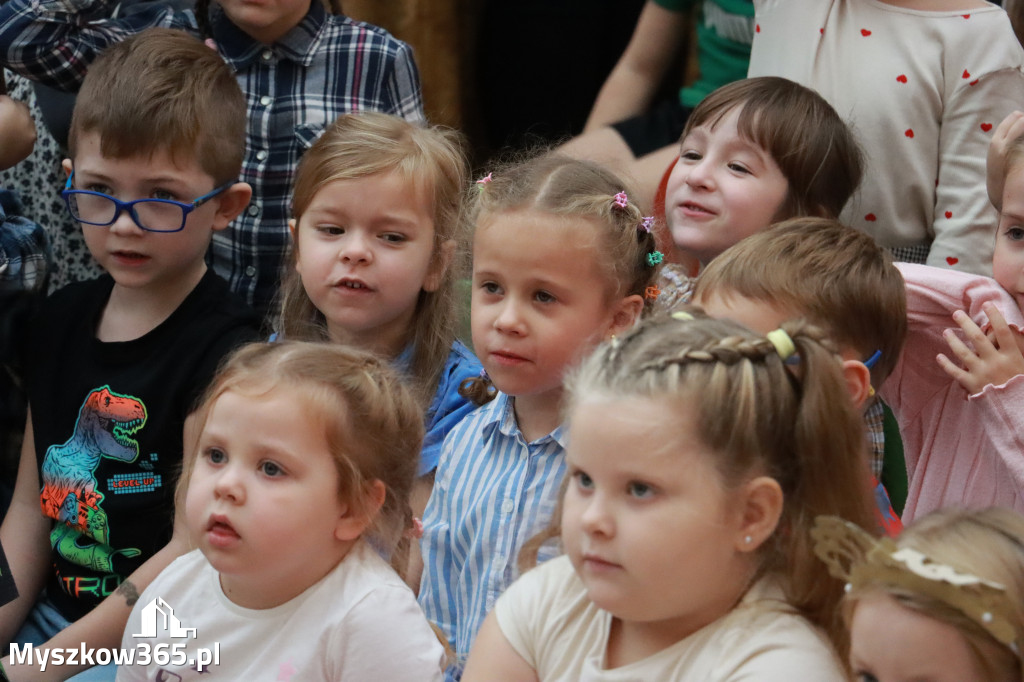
(130, 257)
(220, 532)
(352, 285)
(507, 358)
(695, 210)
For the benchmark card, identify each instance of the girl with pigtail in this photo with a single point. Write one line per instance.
(562, 259)
(299, 477)
(699, 455)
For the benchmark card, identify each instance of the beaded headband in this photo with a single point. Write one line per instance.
(853, 555)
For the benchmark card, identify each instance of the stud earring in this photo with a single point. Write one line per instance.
(748, 539)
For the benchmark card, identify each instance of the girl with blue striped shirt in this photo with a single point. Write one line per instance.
(562, 259)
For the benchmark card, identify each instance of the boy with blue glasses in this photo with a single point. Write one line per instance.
(116, 364)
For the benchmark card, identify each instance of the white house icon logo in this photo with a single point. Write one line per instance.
(158, 615)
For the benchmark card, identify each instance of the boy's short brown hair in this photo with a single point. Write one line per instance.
(834, 276)
(163, 89)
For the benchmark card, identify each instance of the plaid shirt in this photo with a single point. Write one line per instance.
(324, 67)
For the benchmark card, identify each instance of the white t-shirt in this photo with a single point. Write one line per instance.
(548, 619)
(923, 92)
(360, 622)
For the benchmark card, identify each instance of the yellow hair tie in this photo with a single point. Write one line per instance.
(682, 316)
(784, 345)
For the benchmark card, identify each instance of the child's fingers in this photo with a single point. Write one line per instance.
(968, 357)
(1009, 129)
(953, 371)
(1000, 329)
(972, 333)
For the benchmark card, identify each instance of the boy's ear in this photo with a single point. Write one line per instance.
(625, 313)
(760, 504)
(858, 382)
(355, 519)
(230, 203)
(292, 226)
(67, 166)
(439, 264)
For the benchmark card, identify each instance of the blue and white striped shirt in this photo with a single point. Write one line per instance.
(493, 492)
(325, 66)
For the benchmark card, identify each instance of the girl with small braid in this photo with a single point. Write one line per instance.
(699, 454)
(562, 260)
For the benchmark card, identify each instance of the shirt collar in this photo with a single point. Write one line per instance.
(300, 44)
(502, 416)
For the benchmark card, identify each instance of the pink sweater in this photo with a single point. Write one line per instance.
(961, 450)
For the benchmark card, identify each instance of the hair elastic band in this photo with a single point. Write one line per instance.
(853, 555)
(647, 223)
(484, 181)
(682, 316)
(655, 257)
(784, 345)
(652, 292)
(621, 200)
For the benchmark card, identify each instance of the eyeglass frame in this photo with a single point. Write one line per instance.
(120, 206)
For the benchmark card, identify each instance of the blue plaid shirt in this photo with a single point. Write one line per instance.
(324, 67)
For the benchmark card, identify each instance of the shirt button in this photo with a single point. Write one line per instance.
(261, 155)
(254, 209)
(264, 100)
(250, 271)
(507, 506)
(266, 55)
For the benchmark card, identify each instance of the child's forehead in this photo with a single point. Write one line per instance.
(96, 154)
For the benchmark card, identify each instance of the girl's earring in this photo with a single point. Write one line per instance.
(748, 539)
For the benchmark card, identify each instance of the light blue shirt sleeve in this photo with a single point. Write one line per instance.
(448, 407)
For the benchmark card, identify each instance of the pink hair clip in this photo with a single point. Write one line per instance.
(416, 531)
(621, 200)
(647, 223)
(484, 181)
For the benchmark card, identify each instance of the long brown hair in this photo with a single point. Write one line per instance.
(362, 145)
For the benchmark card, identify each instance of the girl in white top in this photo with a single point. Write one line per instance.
(699, 452)
(303, 449)
(923, 83)
(944, 602)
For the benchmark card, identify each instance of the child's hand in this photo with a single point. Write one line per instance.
(1006, 132)
(995, 359)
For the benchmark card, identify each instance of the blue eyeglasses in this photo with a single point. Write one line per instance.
(152, 215)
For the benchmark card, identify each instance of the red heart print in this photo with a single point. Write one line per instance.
(902, 78)
(949, 214)
(974, 82)
(952, 260)
(967, 16)
(910, 132)
(757, 28)
(966, 74)
(986, 127)
(821, 31)
(870, 217)
(864, 32)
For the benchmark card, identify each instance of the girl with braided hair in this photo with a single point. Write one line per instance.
(699, 455)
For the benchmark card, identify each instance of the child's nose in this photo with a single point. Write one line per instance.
(356, 249)
(229, 485)
(596, 517)
(124, 224)
(700, 175)
(510, 319)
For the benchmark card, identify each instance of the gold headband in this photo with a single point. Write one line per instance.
(853, 555)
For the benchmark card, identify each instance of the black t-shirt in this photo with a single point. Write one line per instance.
(108, 419)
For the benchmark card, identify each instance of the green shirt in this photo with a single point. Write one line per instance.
(725, 31)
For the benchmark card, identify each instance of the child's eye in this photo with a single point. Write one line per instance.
(866, 677)
(393, 237)
(583, 480)
(1015, 233)
(491, 288)
(163, 194)
(331, 230)
(216, 456)
(99, 187)
(641, 491)
(544, 297)
(690, 155)
(739, 168)
(271, 469)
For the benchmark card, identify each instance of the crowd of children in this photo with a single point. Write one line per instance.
(627, 470)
